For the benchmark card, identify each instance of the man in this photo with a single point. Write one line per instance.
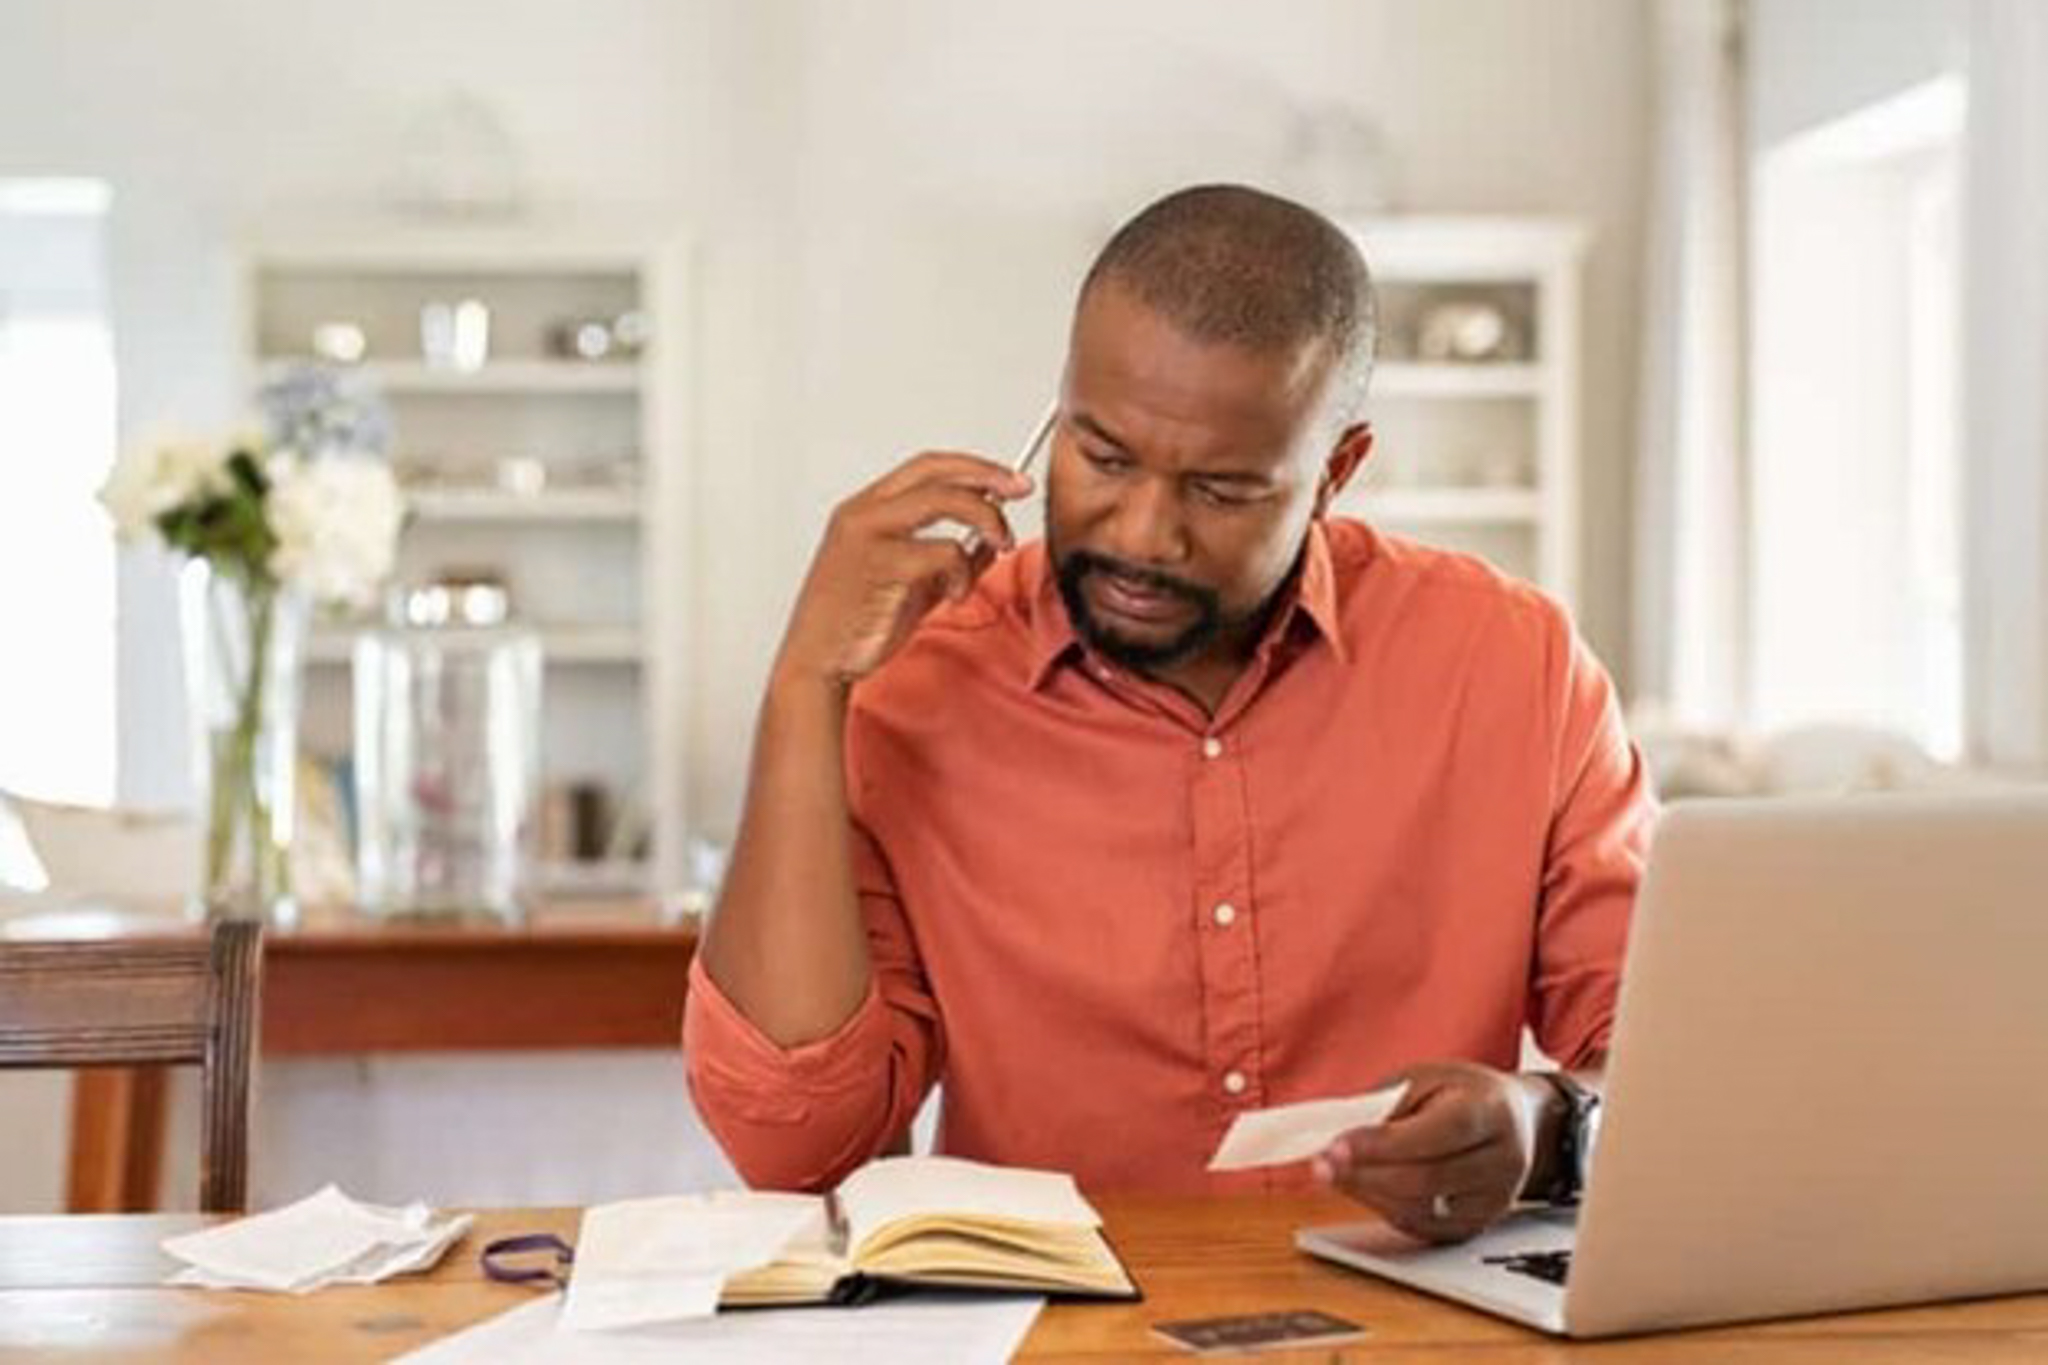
(1208, 803)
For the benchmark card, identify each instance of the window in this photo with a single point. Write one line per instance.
(1931, 189)
(1855, 463)
(57, 423)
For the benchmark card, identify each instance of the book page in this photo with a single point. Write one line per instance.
(804, 1271)
(1079, 1260)
(956, 1191)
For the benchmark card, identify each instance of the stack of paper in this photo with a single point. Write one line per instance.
(326, 1238)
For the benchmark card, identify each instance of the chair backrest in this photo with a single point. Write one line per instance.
(147, 1003)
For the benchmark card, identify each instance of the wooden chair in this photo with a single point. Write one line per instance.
(148, 1003)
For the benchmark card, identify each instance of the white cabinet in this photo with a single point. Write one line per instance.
(566, 477)
(1476, 397)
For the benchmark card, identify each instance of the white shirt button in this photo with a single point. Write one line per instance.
(1212, 747)
(1234, 1082)
(1224, 914)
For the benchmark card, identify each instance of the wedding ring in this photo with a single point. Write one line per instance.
(1440, 1207)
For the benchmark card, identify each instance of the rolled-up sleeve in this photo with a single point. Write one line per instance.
(1602, 814)
(802, 1118)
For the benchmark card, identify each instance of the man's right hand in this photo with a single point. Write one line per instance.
(875, 577)
(787, 944)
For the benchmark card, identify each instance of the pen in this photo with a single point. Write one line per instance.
(1022, 464)
(971, 542)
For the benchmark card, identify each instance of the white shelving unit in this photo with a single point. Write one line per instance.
(1457, 379)
(504, 377)
(1479, 454)
(562, 646)
(490, 505)
(595, 554)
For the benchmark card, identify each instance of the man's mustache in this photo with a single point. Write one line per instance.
(1083, 562)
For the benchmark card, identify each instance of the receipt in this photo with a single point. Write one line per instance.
(1296, 1132)
(325, 1238)
(665, 1259)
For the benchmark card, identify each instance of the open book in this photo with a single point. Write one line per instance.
(907, 1220)
(934, 1220)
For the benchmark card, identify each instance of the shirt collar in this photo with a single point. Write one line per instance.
(1315, 592)
(1052, 633)
(1312, 599)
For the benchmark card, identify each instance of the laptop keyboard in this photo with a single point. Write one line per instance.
(1549, 1266)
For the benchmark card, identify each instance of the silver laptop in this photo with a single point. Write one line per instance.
(1828, 1086)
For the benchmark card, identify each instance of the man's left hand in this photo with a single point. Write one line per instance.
(1453, 1157)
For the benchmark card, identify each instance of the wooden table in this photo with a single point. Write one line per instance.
(79, 1288)
(598, 975)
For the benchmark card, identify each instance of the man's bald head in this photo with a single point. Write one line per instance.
(1235, 265)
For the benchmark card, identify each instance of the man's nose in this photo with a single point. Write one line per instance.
(1148, 527)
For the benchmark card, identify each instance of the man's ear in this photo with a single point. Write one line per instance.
(1347, 457)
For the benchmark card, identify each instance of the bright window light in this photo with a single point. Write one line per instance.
(1855, 459)
(57, 425)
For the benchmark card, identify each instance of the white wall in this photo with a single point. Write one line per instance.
(954, 166)
(892, 203)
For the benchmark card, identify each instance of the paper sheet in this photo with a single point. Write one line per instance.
(325, 1238)
(1296, 1132)
(921, 1330)
(642, 1261)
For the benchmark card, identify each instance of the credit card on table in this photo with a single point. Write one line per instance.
(1259, 1331)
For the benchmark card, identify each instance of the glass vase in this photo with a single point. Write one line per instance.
(244, 648)
(447, 757)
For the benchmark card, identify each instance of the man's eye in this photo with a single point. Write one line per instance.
(1223, 495)
(1106, 463)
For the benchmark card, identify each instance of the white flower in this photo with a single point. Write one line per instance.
(336, 522)
(156, 475)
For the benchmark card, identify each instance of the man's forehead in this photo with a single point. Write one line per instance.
(1127, 358)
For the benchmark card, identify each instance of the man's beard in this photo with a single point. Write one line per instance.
(1072, 570)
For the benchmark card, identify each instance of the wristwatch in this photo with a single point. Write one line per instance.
(1576, 1133)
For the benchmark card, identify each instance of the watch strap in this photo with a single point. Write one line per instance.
(1567, 1180)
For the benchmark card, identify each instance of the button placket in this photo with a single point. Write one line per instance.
(1227, 948)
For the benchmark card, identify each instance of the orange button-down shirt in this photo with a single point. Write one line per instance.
(1106, 922)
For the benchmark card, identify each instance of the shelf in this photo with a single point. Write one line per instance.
(1461, 249)
(497, 377)
(1446, 506)
(555, 505)
(1443, 379)
(590, 880)
(588, 645)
